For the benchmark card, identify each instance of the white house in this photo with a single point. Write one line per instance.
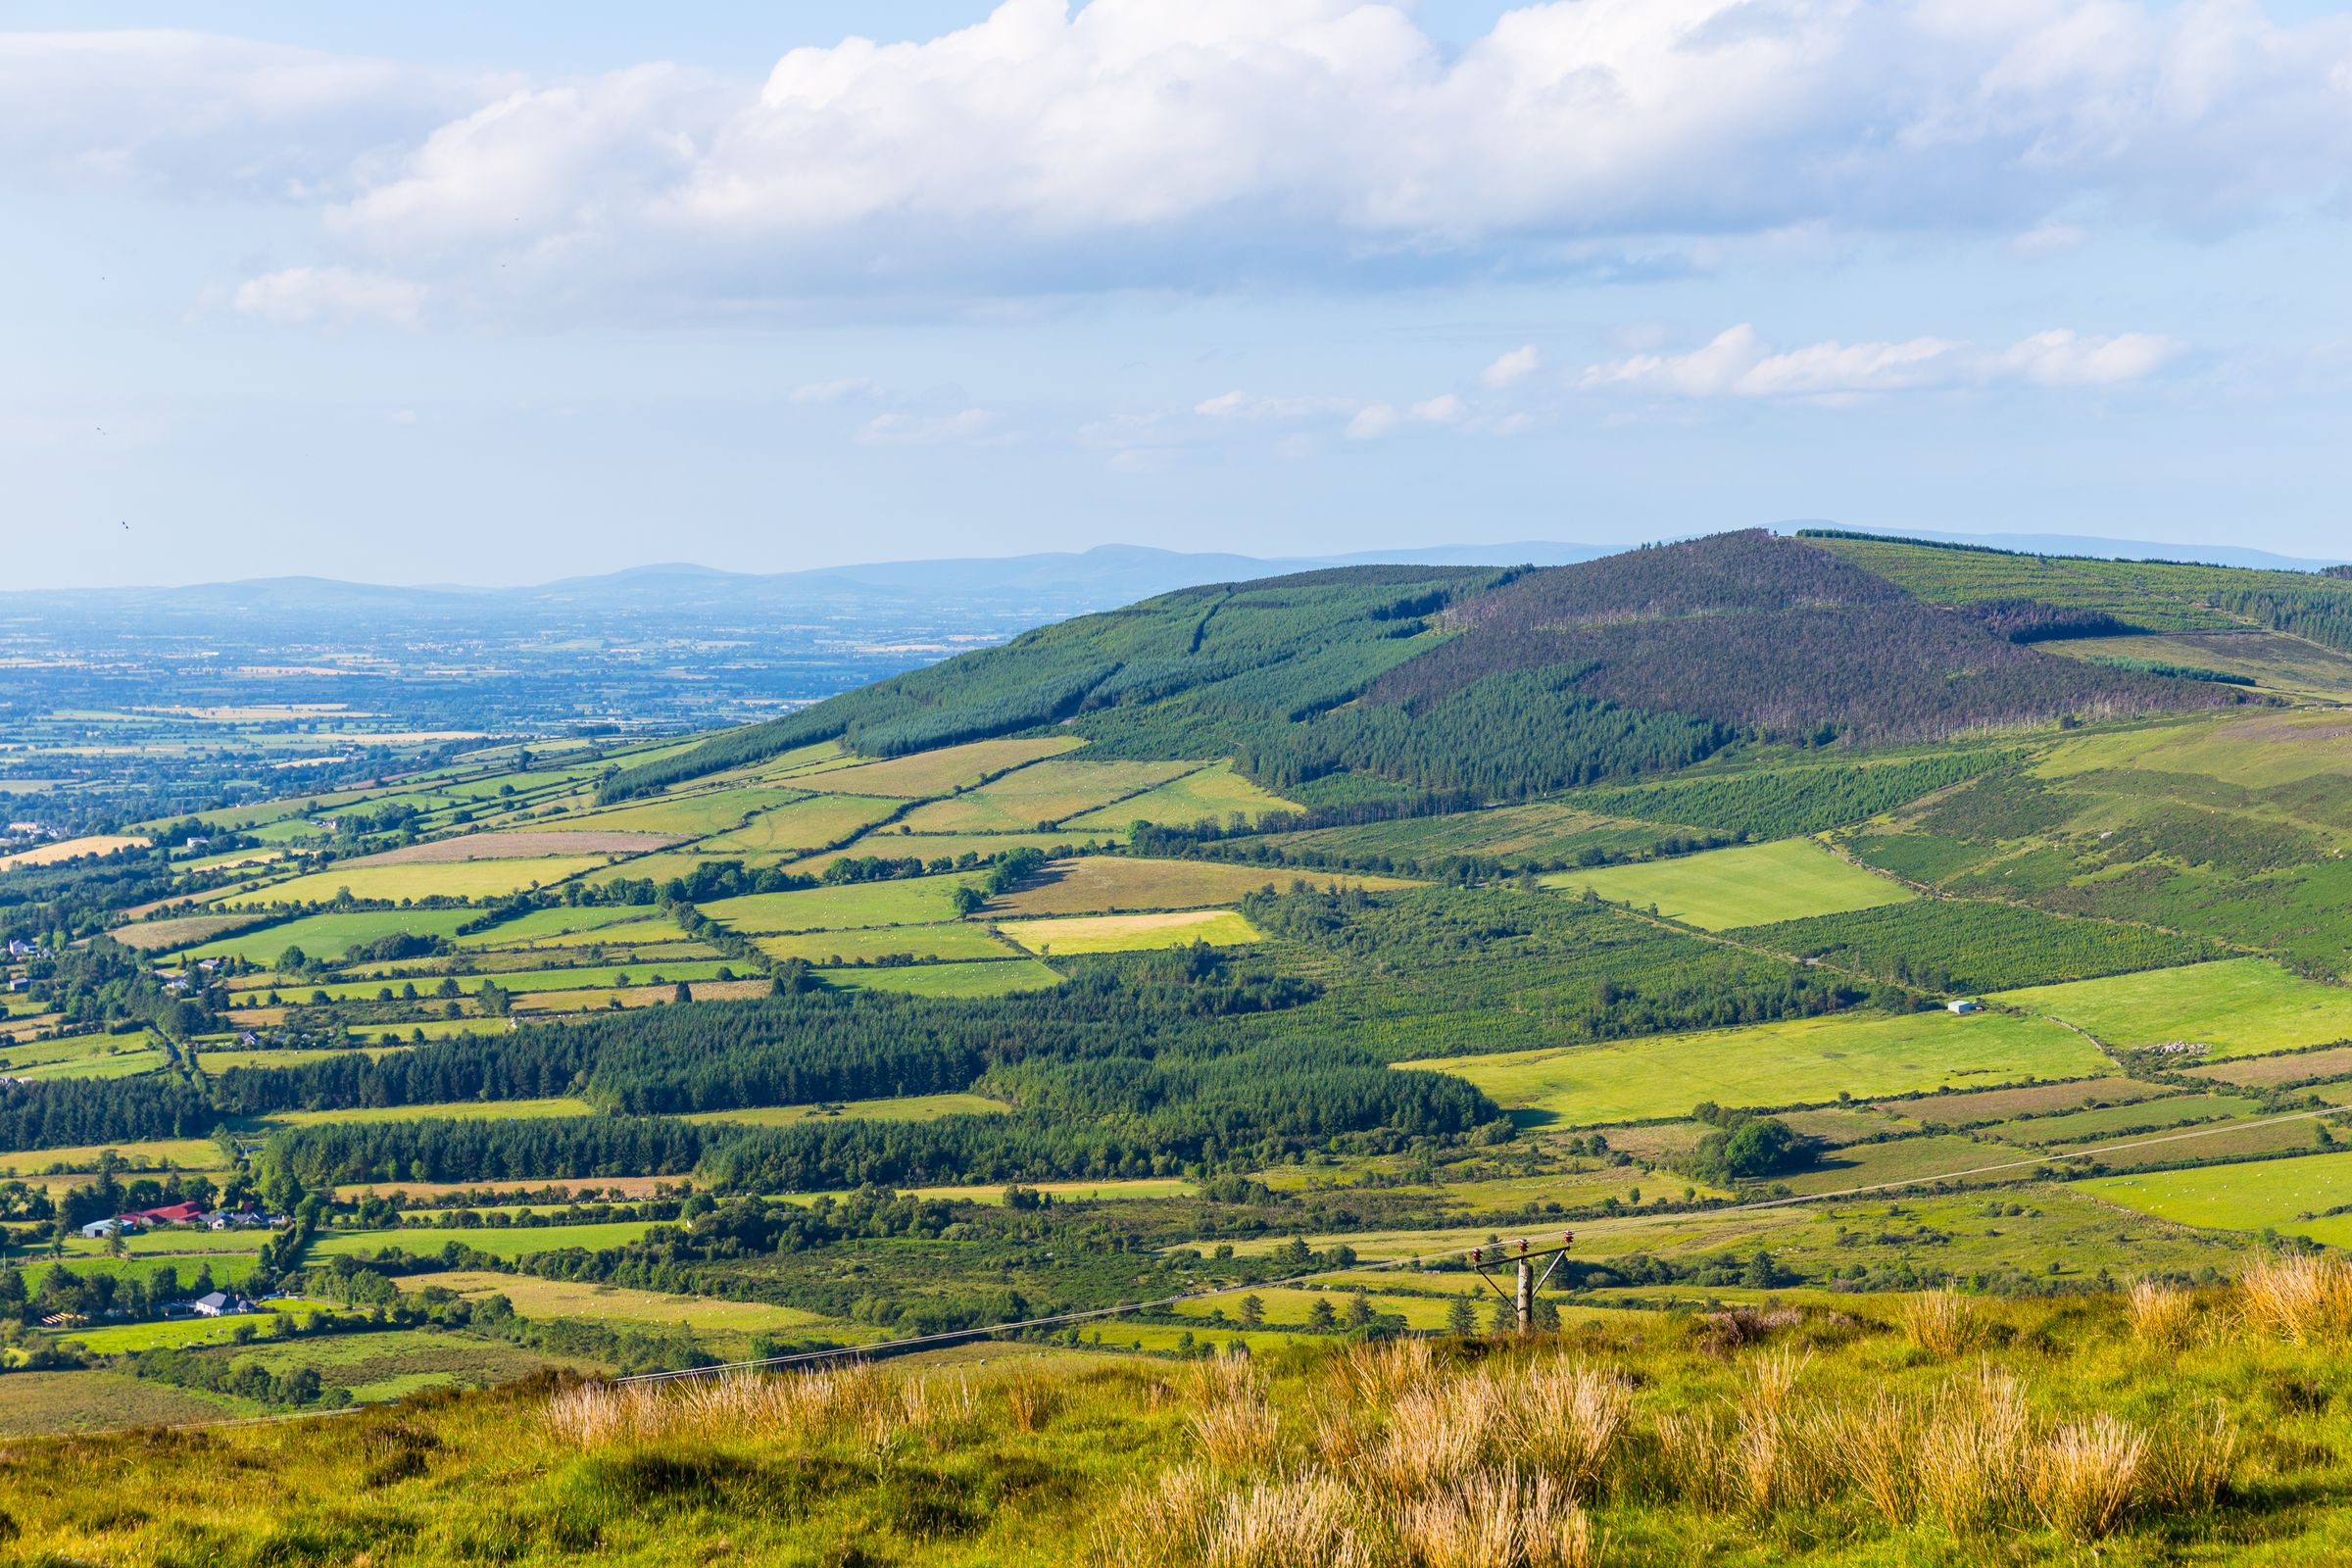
(1964, 1004)
(222, 1304)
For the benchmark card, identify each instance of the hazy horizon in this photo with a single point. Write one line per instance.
(441, 295)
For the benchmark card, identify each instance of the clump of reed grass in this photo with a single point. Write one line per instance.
(1236, 1433)
(1876, 1446)
(1565, 1418)
(2304, 1300)
(1310, 1522)
(1971, 1452)
(1941, 1322)
(2189, 1462)
(1030, 1401)
(1436, 1434)
(2162, 1316)
(1499, 1519)
(2083, 1478)
(1166, 1522)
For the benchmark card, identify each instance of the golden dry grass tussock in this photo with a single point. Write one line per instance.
(2304, 1300)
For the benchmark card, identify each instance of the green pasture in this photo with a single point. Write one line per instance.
(906, 900)
(521, 981)
(587, 923)
(1042, 793)
(1132, 933)
(995, 978)
(492, 1241)
(455, 1110)
(2292, 1194)
(2256, 752)
(689, 817)
(162, 1154)
(923, 774)
(448, 879)
(181, 1334)
(809, 823)
(1795, 1061)
(2234, 1008)
(535, 1298)
(891, 842)
(1213, 794)
(958, 939)
(1752, 884)
(46, 1403)
(330, 936)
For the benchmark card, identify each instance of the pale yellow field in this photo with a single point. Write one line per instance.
(1132, 933)
(72, 849)
(390, 884)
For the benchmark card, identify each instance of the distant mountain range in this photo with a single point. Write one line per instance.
(1043, 586)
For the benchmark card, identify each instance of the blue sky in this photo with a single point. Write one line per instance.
(497, 294)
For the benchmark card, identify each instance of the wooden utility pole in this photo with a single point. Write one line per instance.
(1525, 1256)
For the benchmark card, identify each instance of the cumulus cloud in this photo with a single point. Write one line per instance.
(331, 295)
(199, 116)
(1738, 363)
(1372, 422)
(1048, 148)
(1516, 366)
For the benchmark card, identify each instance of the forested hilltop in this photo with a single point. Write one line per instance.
(1897, 954)
(1502, 684)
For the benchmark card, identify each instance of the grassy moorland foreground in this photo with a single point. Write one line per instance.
(2160, 1427)
(1785, 917)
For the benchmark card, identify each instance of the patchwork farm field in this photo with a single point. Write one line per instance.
(1132, 933)
(943, 772)
(912, 900)
(1801, 1062)
(805, 824)
(2234, 1008)
(329, 935)
(2292, 1196)
(463, 879)
(500, 1241)
(43, 1403)
(1041, 794)
(535, 1298)
(1111, 884)
(999, 978)
(1215, 794)
(1749, 885)
(953, 940)
(453, 1111)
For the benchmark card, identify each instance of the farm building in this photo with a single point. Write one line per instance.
(220, 1303)
(1964, 1004)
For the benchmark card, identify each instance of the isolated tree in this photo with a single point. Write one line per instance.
(1252, 1311)
(1461, 1318)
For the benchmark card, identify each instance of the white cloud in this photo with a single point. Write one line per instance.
(331, 295)
(1738, 363)
(1516, 366)
(919, 431)
(1445, 409)
(1047, 148)
(2068, 358)
(200, 115)
(2050, 239)
(1372, 422)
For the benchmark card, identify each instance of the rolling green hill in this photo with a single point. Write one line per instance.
(1493, 685)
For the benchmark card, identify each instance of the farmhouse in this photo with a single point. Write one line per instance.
(221, 1304)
